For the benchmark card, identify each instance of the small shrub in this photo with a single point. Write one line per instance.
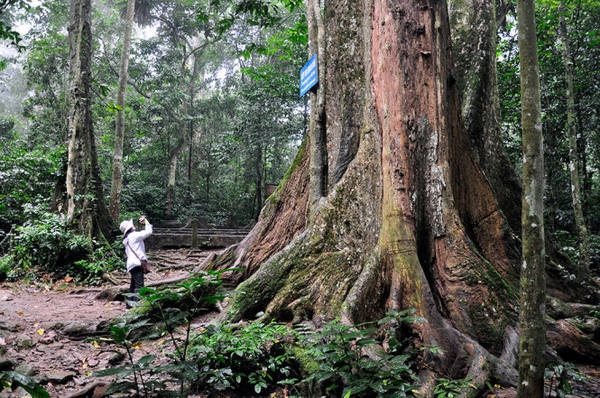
(447, 388)
(249, 360)
(559, 377)
(352, 362)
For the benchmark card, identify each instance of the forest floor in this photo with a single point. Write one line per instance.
(47, 331)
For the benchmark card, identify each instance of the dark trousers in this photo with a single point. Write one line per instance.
(137, 280)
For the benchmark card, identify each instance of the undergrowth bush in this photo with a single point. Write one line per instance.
(251, 359)
(350, 361)
(259, 359)
(45, 247)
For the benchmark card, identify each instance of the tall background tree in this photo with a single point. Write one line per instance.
(532, 343)
(117, 169)
(85, 202)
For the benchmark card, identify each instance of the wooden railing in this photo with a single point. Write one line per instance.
(195, 237)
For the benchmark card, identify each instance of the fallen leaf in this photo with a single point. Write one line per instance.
(96, 344)
(40, 331)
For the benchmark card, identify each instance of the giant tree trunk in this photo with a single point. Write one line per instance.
(86, 206)
(408, 219)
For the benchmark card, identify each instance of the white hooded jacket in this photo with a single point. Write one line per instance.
(134, 242)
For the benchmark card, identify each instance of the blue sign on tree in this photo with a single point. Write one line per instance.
(309, 76)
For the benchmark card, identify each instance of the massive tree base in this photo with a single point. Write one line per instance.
(293, 271)
(408, 219)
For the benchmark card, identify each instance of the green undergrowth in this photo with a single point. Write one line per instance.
(256, 358)
(45, 248)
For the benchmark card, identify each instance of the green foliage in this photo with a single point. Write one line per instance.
(171, 307)
(559, 376)
(568, 244)
(120, 333)
(351, 362)
(13, 380)
(447, 388)
(6, 30)
(257, 358)
(27, 176)
(248, 359)
(46, 245)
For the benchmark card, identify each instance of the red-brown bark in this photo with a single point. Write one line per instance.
(409, 220)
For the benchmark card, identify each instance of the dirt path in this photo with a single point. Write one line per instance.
(44, 330)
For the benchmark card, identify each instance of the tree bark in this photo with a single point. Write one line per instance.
(474, 32)
(117, 172)
(317, 130)
(86, 206)
(533, 286)
(410, 216)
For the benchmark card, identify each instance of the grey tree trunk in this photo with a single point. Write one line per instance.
(532, 343)
(117, 172)
(86, 206)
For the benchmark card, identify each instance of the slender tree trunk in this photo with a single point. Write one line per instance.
(533, 287)
(117, 172)
(175, 152)
(86, 206)
(571, 128)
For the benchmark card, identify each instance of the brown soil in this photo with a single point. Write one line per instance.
(49, 331)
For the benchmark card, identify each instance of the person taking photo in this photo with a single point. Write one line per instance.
(137, 262)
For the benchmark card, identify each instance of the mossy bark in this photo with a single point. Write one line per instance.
(533, 285)
(85, 204)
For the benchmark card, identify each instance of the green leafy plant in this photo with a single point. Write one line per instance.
(162, 312)
(13, 380)
(121, 333)
(559, 376)
(350, 361)
(447, 388)
(46, 245)
(247, 359)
